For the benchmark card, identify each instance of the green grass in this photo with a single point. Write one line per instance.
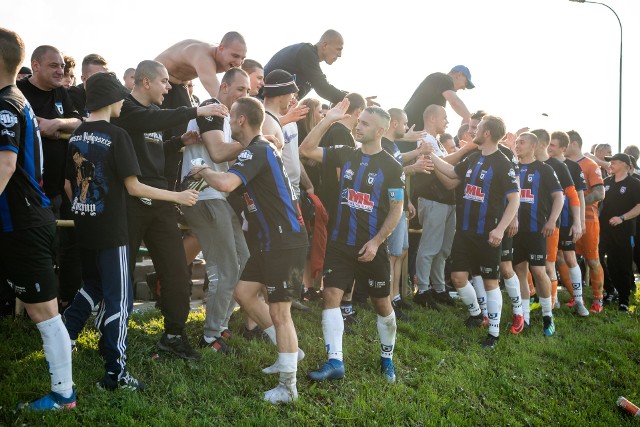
(444, 377)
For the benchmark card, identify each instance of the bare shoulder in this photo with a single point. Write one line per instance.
(186, 48)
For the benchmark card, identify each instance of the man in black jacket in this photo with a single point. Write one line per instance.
(155, 221)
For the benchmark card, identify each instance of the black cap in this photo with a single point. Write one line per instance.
(623, 157)
(104, 89)
(279, 82)
(25, 70)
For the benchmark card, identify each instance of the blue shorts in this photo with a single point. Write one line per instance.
(399, 238)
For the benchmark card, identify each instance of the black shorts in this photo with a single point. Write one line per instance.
(506, 251)
(472, 253)
(26, 262)
(566, 242)
(530, 247)
(341, 268)
(279, 271)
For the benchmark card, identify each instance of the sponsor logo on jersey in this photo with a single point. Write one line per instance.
(8, 133)
(348, 174)
(473, 192)
(8, 119)
(245, 155)
(526, 196)
(357, 200)
(371, 178)
(251, 205)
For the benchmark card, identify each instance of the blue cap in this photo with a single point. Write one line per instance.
(464, 70)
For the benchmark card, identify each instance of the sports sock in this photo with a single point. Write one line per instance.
(346, 308)
(468, 296)
(554, 291)
(545, 305)
(532, 288)
(597, 282)
(512, 285)
(57, 352)
(332, 330)
(481, 294)
(494, 309)
(387, 332)
(271, 333)
(576, 283)
(526, 311)
(565, 277)
(288, 364)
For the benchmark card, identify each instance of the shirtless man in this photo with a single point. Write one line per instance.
(191, 59)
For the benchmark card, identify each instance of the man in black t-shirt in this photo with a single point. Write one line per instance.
(91, 64)
(438, 88)
(541, 202)
(369, 208)
(27, 226)
(99, 207)
(620, 206)
(275, 224)
(490, 201)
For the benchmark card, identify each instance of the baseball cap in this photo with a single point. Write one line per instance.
(104, 89)
(25, 70)
(279, 82)
(464, 70)
(623, 157)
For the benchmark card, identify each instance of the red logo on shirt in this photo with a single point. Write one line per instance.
(358, 200)
(473, 192)
(526, 196)
(251, 206)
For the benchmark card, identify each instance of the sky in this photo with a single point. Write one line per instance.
(527, 57)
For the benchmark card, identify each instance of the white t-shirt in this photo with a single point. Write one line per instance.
(290, 155)
(427, 138)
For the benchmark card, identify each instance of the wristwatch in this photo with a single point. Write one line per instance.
(621, 217)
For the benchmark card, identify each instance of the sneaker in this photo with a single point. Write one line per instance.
(534, 306)
(485, 322)
(349, 319)
(312, 294)
(333, 369)
(126, 382)
(490, 342)
(623, 307)
(281, 394)
(549, 328)
(218, 345)
(443, 298)
(518, 324)
(275, 368)
(581, 309)
(297, 305)
(596, 308)
(399, 314)
(253, 334)
(388, 369)
(611, 297)
(425, 299)
(51, 402)
(474, 321)
(556, 305)
(571, 302)
(179, 346)
(403, 305)
(226, 334)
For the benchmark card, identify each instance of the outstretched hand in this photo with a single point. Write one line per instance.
(339, 111)
(371, 102)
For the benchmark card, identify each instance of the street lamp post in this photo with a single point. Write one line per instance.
(620, 77)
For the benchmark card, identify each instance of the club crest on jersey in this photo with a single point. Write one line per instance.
(482, 173)
(348, 174)
(606, 188)
(526, 196)
(8, 119)
(512, 173)
(530, 177)
(371, 178)
(357, 200)
(474, 193)
(598, 172)
(468, 175)
(245, 155)
(59, 108)
(622, 190)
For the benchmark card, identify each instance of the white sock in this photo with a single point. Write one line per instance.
(271, 333)
(332, 330)
(387, 332)
(494, 309)
(468, 296)
(526, 311)
(57, 352)
(481, 294)
(512, 285)
(576, 282)
(288, 363)
(545, 305)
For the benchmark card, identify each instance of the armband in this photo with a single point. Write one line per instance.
(396, 194)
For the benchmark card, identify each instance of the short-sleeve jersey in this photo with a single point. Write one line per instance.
(199, 151)
(337, 134)
(430, 91)
(620, 197)
(486, 182)
(101, 156)
(23, 203)
(271, 203)
(566, 181)
(366, 182)
(537, 182)
(392, 148)
(593, 178)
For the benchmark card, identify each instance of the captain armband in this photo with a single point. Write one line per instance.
(396, 194)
